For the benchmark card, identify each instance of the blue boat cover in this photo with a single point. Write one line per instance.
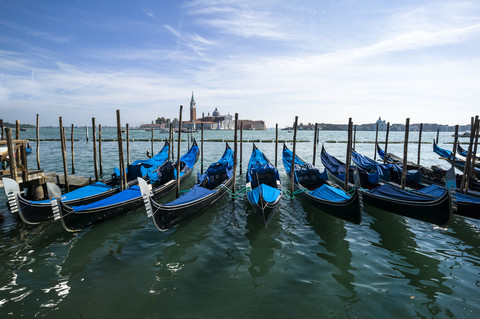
(259, 164)
(332, 164)
(224, 165)
(389, 191)
(269, 194)
(287, 160)
(141, 168)
(85, 191)
(189, 159)
(368, 164)
(128, 194)
(436, 191)
(441, 151)
(194, 194)
(327, 192)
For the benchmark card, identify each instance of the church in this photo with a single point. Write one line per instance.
(216, 121)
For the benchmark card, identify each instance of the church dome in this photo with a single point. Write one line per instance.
(216, 113)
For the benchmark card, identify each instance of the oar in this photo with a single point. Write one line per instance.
(450, 182)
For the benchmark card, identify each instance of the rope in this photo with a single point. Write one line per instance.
(291, 195)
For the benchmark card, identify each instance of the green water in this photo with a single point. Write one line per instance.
(224, 263)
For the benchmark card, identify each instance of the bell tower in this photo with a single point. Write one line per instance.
(193, 109)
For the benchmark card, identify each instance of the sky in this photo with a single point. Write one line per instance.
(321, 60)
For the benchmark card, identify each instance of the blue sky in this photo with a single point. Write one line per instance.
(324, 61)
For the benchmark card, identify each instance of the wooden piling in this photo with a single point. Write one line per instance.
(385, 156)
(454, 151)
(121, 160)
(37, 131)
(405, 151)
(235, 155)
(127, 131)
(466, 169)
(419, 143)
(2, 129)
(315, 136)
(173, 141)
(94, 139)
(354, 136)
(292, 167)
(276, 143)
(64, 153)
(151, 143)
(72, 151)
(438, 133)
(189, 132)
(349, 152)
(11, 155)
(241, 146)
(376, 142)
(17, 129)
(23, 156)
(100, 149)
(201, 150)
(178, 150)
(473, 155)
(86, 133)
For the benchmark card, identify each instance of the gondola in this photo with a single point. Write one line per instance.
(35, 212)
(263, 185)
(210, 188)
(459, 162)
(464, 152)
(316, 188)
(437, 210)
(433, 175)
(75, 218)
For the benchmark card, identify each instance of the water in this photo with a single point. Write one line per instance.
(225, 263)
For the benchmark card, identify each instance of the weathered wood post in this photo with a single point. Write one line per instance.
(292, 167)
(64, 153)
(23, 156)
(2, 129)
(454, 151)
(466, 169)
(151, 139)
(86, 133)
(349, 153)
(241, 146)
(354, 136)
(94, 137)
(473, 155)
(235, 155)
(189, 132)
(376, 143)
(315, 136)
(173, 141)
(72, 151)
(419, 143)
(121, 160)
(178, 150)
(127, 130)
(17, 129)
(385, 156)
(11, 155)
(201, 150)
(438, 132)
(100, 149)
(276, 143)
(405, 151)
(37, 130)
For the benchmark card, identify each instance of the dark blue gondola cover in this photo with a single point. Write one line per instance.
(389, 191)
(436, 191)
(86, 191)
(128, 194)
(269, 194)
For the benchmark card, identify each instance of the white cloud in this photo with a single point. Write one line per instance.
(148, 13)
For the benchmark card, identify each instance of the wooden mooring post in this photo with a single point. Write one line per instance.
(349, 153)
(376, 143)
(64, 153)
(2, 129)
(241, 146)
(468, 161)
(292, 167)
(11, 155)
(94, 139)
(127, 129)
(151, 143)
(438, 133)
(178, 150)
(419, 143)
(37, 131)
(72, 151)
(201, 150)
(385, 156)
(405, 152)
(276, 143)
(123, 175)
(474, 154)
(235, 155)
(315, 137)
(100, 149)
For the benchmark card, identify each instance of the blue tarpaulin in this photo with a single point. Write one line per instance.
(86, 191)
(436, 191)
(130, 193)
(389, 191)
(194, 194)
(330, 193)
(269, 194)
